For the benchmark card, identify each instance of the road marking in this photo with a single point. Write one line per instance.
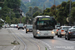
(46, 44)
(13, 48)
(38, 47)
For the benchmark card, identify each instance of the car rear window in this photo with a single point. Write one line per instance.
(66, 27)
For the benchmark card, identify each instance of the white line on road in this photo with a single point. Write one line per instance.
(46, 44)
(13, 48)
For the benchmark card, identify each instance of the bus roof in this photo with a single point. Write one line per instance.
(42, 16)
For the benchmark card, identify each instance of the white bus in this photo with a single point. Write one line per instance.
(43, 26)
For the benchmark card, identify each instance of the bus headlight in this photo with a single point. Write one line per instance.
(38, 32)
(52, 32)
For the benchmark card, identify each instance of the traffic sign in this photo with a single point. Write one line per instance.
(0, 8)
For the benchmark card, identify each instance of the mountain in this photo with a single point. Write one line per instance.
(40, 3)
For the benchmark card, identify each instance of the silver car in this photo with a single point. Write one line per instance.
(63, 30)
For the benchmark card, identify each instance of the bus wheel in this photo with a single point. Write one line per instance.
(52, 37)
(34, 36)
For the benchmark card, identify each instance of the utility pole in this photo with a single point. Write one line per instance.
(70, 11)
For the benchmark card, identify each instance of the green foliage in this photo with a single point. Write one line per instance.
(73, 14)
(36, 14)
(33, 11)
(10, 10)
(8, 20)
(61, 12)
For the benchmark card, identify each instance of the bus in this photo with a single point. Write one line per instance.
(43, 26)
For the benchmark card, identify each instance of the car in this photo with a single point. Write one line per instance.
(12, 25)
(70, 34)
(73, 26)
(62, 31)
(57, 26)
(25, 26)
(29, 28)
(6, 26)
(20, 26)
(15, 26)
(56, 30)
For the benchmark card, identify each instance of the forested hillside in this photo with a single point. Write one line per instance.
(39, 3)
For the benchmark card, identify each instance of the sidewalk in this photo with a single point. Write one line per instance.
(5, 37)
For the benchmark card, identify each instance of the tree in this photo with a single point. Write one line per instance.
(32, 11)
(8, 20)
(36, 14)
(73, 14)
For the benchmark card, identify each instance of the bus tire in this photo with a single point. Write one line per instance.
(52, 37)
(34, 36)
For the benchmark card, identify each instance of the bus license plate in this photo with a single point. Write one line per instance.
(46, 34)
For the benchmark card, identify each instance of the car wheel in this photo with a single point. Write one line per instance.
(18, 28)
(65, 37)
(60, 36)
(34, 36)
(68, 38)
(26, 31)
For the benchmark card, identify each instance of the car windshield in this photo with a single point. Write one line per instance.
(20, 24)
(29, 26)
(72, 30)
(66, 27)
(73, 26)
(44, 25)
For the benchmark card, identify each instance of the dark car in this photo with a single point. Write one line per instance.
(29, 28)
(20, 26)
(70, 34)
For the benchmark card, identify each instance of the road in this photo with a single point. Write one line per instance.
(27, 42)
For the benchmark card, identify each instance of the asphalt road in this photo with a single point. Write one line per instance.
(27, 42)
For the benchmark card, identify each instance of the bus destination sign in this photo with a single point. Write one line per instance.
(44, 18)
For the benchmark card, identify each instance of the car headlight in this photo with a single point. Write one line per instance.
(27, 29)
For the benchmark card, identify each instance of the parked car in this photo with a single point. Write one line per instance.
(15, 26)
(6, 26)
(70, 34)
(29, 28)
(20, 26)
(12, 25)
(63, 30)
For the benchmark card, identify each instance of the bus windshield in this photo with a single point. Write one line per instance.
(45, 25)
